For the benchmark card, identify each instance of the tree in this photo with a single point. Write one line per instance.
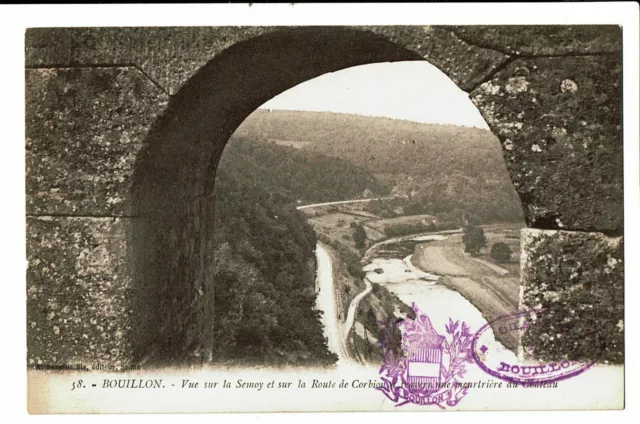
(474, 219)
(473, 239)
(500, 252)
(359, 235)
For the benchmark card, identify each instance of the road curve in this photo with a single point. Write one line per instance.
(353, 306)
(326, 301)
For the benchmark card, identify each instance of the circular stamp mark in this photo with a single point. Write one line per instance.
(497, 363)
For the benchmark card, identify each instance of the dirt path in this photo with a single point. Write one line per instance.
(327, 300)
(353, 306)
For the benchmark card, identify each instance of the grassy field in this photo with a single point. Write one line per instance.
(336, 220)
(380, 224)
(336, 227)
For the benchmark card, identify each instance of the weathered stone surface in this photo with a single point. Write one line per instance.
(560, 124)
(464, 63)
(170, 56)
(79, 294)
(535, 40)
(104, 117)
(578, 280)
(172, 274)
(84, 128)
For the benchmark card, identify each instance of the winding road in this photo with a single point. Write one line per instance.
(353, 306)
(326, 302)
(343, 202)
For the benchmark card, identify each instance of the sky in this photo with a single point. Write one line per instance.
(415, 91)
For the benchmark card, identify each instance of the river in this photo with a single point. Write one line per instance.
(390, 266)
(411, 285)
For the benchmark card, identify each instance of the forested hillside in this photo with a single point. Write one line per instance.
(292, 175)
(440, 167)
(264, 276)
(264, 247)
(264, 250)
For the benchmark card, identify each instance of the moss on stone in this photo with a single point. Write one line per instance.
(531, 40)
(84, 129)
(79, 294)
(560, 124)
(577, 279)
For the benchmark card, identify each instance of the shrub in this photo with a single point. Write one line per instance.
(474, 220)
(500, 252)
(403, 229)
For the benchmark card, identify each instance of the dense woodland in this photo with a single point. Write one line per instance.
(265, 276)
(291, 175)
(438, 167)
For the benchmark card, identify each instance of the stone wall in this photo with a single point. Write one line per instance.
(125, 127)
(559, 122)
(79, 293)
(84, 129)
(576, 280)
(556, 107)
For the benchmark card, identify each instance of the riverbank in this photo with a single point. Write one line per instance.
(426, 291)
(327, 302)
(492, 291)
(358, 307)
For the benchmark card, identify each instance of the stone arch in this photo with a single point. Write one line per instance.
(111, 188)
(172, 195)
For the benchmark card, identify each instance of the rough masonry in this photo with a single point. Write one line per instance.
(125, 126)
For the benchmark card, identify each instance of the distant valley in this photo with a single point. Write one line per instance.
(427, 178)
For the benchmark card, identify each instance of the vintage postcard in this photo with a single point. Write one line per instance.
(296, 216)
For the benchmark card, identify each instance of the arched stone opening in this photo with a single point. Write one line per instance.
(173, 182)
(552, 95)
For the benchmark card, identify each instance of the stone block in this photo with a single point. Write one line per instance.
(84, 129)
(560, 124)
(535, 40)
(577, 279)
(170, 56)
(79, 293)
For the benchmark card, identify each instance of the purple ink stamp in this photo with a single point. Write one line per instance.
(501, 363)
(424, 367)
